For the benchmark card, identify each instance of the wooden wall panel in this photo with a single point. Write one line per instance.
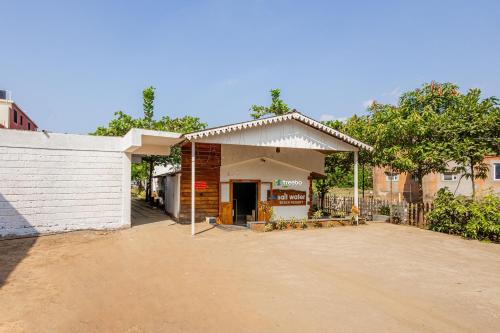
(207, 168)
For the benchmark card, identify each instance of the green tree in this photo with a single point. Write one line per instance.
(470, 131)
(122, 123)
(277, 107)
(340, 166)
(406, 137)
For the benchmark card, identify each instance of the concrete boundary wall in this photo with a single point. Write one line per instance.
(51, 182)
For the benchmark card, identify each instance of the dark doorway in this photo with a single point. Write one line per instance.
(244, 202)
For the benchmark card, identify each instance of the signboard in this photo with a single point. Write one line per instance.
(286, 183)
(288, 198)
(200, 185)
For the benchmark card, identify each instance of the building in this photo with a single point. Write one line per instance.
(405, 187)
(240, 167)
(12, 116)
(52, 182)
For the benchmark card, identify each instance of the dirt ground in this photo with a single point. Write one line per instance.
(157, 278)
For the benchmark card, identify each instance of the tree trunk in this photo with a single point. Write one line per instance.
(420, 202)
(363, 180)
(472, 179)
(150, 182)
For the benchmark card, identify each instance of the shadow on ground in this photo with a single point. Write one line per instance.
(13, 251)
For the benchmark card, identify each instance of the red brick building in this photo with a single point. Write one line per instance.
(12, 116)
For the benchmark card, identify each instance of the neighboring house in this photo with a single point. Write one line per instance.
(405, 187)
(12, 116)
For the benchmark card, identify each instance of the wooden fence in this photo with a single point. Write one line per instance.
(400, 212)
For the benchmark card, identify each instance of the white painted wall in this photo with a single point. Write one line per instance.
(268, 171)
(61, 182)
(172, 194)
(302, 158)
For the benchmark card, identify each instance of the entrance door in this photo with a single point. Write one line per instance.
(244, 202)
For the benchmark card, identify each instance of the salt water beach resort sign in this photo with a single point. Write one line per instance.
(285, 196)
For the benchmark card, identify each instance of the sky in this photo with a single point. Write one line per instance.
(71, 64)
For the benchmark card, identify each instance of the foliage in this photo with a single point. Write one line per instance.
(317, 224)
(384, 210)
(470, 132)
(269, 226)
(122, 123)
(292, 223)
(339, 166)
(317, 214)
(267, 210)
(281, 224)
(303, 223)
(277, 107)
(330, 224)
(473, 219)
(404, 136)
(337, 214)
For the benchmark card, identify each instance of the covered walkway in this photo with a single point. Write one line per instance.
(143, 213)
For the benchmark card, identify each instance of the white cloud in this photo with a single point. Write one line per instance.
(328, 117)
(368, 103)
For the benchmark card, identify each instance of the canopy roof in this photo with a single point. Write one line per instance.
(285, 136)
(292, 130)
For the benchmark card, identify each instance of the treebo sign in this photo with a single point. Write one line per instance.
(287, 183)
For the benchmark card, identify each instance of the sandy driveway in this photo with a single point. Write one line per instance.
(156, 278)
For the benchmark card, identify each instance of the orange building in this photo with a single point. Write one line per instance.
(404, 187)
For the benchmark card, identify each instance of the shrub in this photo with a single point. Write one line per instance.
(268, 227)
(384, 210)
(317, 214)
(338, 214)
(456, 215)
(317, 224)
(281, 224)
(330, 224)
(303, 224)
(292, 223)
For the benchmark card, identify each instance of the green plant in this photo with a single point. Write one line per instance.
(338, 214)
(330, 224)
(317, 224)
(303, 224)
(472, 219)
(317, 214)
(267, 210)
(281, 224)
(384, 210)
(292, 223)
(269, 226)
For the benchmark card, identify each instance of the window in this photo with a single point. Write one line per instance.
(29, 126)
(391, 176)
(496, 171)
(21, 120)
(450, 176)
(15, 116)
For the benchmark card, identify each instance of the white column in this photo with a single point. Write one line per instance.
(126, 195)
(193, 154)
(356, 194)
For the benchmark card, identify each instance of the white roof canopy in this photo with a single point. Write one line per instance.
(148, 142)
(292, 130)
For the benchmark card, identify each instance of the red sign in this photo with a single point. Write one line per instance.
(200, 185)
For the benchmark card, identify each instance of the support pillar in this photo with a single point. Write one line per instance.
(356, 193)
(193, 157)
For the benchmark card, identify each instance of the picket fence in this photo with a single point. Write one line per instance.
(402, 211)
